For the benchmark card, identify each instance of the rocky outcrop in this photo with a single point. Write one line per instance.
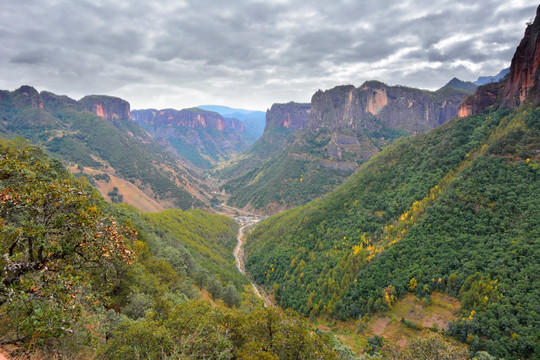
(375, 104)
(485, 96)
(26, 96)
(293, 116)
(107, 107)
(522, 83)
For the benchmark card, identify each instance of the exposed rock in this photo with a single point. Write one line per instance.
(522, 83)
(485, 96)
(294, 116)
(375, 104)
(107, 107)
(192, 118)
(524, 70)
(203, 137)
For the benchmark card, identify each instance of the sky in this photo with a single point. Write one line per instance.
(250, 54)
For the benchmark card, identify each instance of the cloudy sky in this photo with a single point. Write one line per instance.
(250, 54)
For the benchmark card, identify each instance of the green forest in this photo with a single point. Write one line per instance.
(453, 210)
(83, 278)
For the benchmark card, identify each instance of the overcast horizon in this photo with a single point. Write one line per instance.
(250, 54)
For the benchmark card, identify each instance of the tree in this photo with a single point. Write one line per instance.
(231, 296)
(52, 233)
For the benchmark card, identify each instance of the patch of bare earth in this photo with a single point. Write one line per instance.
(132, 195)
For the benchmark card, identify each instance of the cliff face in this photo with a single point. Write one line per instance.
(375, 104)
(203, 137)
(107, 107)
(524, 70)
(484, 96)
(293, 116)
(192, 118)
(520, 86)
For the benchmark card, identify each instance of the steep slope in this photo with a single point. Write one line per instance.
(520, 85)
(254, 120)
(346, 126)
(454, 210)
(203, 137)
(97, 133)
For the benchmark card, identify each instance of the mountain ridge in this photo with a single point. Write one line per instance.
(294, 162)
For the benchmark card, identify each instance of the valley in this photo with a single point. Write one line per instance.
(374, 221)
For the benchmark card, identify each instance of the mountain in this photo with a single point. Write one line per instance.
(95, 135)
(203, 137)
(306, 151)
(483, 80)
(453, 210)
(460, 84)
(254, 121)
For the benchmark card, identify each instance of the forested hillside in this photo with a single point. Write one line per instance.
(453, 210)
(97, 133)
(86, 279)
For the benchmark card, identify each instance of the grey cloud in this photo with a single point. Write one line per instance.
(257, 52)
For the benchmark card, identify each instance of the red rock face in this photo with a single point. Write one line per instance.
(107, 107)
(522, 84)
(192, 118)
(484, 96)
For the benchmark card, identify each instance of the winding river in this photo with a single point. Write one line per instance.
(245, 220)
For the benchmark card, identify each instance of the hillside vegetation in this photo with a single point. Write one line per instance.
(454, 210)
(78, 136)
(85, 279)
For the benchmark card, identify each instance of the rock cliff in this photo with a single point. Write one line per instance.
(192, 118)
(203, 137)
(293, 116)
(375, 104)
(521, 84)
(107, 107)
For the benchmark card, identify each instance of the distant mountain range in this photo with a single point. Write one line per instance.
(254, 120)
(201, 136)
(482, 80)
